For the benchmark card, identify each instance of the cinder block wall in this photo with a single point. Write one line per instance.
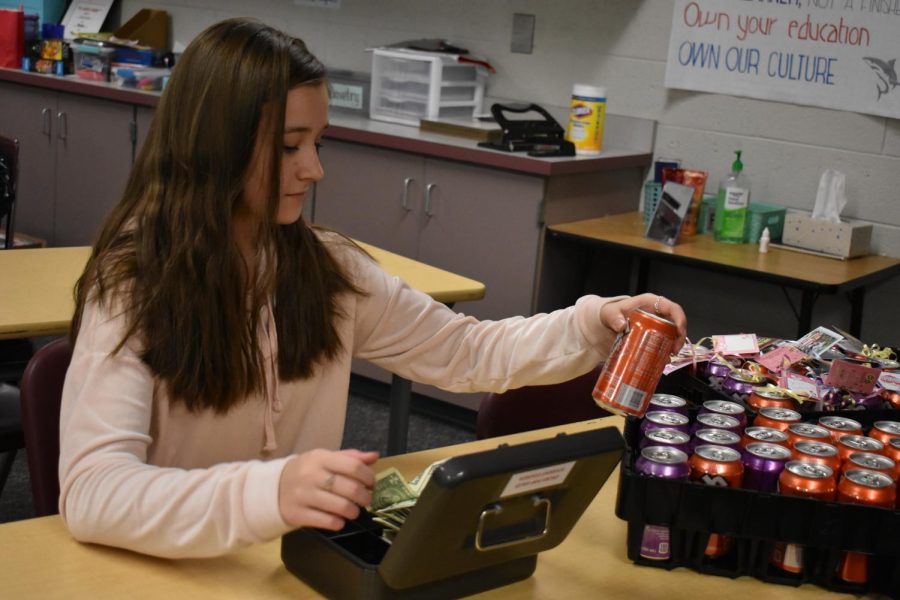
(622, 44)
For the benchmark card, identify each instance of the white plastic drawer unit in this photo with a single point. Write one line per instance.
(408, 86)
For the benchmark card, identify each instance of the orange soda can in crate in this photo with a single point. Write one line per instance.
(861, 486)
(806, 480)
(892, 451)
(840, 426)
(717, 466)
(636, 363)
(883, 431)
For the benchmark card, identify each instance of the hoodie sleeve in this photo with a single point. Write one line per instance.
(110, 495)
(408, 333)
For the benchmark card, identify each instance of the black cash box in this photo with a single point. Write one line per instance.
(478, 524)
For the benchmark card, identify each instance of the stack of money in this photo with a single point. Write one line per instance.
(393, 498)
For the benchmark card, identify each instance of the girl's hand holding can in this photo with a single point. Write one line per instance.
(614, 314)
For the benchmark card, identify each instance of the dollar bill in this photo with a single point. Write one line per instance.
(390, 488)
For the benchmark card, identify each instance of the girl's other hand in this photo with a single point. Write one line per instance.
(325, 488)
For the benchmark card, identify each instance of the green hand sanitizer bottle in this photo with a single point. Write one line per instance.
(730, 222)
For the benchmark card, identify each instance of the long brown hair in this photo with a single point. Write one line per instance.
(168, 252)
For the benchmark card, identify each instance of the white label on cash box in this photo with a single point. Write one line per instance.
(537, 479)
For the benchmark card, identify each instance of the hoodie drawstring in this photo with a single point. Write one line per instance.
(273, 401)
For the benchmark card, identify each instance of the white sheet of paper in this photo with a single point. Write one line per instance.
(85, 17)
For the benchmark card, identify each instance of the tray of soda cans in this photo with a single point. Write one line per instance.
(766, 489)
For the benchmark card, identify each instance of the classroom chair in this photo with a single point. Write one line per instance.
(41, 396)
(9, 171)
(11, 438)
(538, 406)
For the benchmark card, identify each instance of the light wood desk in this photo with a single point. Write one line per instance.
(38, 559)
(812, 275)
(38, 300)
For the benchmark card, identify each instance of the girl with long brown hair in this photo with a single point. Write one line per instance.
(214, 328)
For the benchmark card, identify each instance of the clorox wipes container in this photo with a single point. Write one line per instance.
(586, 116)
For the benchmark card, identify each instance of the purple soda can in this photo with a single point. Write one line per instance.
(725, 407)
(716, 437)
(743, 381)
(666, 463)
(670, 438)
(763, 463)
(659, 419)
(668, 403)
(716, 421)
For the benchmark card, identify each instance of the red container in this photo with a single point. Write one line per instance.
(636, 363)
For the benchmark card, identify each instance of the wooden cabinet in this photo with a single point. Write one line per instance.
(75, 155)
(478, 222)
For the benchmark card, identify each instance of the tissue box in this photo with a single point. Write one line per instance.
(844, 239)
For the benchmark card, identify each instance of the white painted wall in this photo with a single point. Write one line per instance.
(622, 44)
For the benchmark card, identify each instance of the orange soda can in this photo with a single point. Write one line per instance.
(859, 486)
(718, 466)
(807, 431)
(883, 431)
(807, 480)
(872, 462)
(636, 363)
(776, 418)
(848, 444)
(839, 426)
(754, 434)
(764, 398)
(892, 451)
(818, 453)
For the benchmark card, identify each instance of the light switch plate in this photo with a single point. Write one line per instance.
(522, 33)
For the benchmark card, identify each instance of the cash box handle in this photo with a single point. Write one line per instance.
(539, 503)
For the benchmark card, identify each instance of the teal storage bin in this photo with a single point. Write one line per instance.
(49, 11)
(761, 215)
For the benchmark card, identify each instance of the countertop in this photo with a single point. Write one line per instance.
(360, 129)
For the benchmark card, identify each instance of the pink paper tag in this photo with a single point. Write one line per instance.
(780, 358)
(852, 376)
(800, 384)
(737, 344)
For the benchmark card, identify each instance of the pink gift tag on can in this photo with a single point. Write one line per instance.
(800, 384)
(852, 376)
(737, 344)
(780, 358)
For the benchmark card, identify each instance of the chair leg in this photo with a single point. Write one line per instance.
(6, 463)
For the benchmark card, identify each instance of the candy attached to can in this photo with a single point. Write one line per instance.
(635, 364)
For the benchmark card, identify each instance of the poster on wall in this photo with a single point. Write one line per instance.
(840, 54)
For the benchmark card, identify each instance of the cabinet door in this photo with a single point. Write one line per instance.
(28, 114)
(143, 116)
(93, 157)
(484, 224)
(362, 195)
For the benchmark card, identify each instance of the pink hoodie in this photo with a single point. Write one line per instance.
(139, 471)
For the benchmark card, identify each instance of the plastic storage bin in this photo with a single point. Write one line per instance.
(349, 91)
(760, 216)
(408, 86)
(92, 62)
(756, 521)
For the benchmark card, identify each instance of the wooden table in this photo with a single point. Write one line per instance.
(812, 275)
(38, 559)
(38, 300)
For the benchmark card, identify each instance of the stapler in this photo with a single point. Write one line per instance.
(537, 137)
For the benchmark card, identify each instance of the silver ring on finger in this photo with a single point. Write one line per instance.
(329, 482)
(656, 305)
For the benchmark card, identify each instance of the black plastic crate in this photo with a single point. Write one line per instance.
(756, 521)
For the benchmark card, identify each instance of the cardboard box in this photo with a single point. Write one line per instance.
(846, 239)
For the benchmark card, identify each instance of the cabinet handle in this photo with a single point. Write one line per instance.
(63, 125)
(46, 123)
(404, 200)
(428, 188)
